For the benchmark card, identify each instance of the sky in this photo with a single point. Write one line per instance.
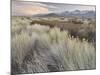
(29, 8)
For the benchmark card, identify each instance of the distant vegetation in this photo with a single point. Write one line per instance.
(74, 26)
(50, 45)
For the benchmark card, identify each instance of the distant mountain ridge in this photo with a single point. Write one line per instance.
(76, 13)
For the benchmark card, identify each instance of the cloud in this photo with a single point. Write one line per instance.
(33, 10)
(41, 4)
(28, 8)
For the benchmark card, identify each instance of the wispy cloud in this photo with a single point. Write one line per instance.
(28, 8)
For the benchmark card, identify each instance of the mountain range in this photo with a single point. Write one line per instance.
(76, 13)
